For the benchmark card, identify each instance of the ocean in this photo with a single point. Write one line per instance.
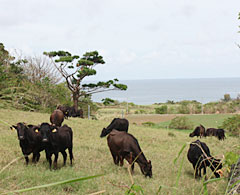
(146, 92)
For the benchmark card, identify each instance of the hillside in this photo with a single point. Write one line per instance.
(93, 157)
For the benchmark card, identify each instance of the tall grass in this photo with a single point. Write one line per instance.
(92, 157)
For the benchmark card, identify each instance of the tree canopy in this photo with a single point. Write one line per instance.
(74, 69)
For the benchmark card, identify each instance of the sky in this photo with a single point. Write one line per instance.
(147, 39)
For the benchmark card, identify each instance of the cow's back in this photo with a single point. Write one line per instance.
(57, 117)
(123, 141)
(118, 124)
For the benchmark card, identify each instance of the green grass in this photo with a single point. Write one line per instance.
(207, 120)
(92, 157)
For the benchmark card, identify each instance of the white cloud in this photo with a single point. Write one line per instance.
(138, 39)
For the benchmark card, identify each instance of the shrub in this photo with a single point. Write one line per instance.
(181, 122)
(232, 124)
(148, 124)
(183, 109)
(161, 110)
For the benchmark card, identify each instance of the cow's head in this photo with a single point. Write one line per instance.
(46, 130)
(104, 132)
(215, 165)
(21, 129)
(147, 169)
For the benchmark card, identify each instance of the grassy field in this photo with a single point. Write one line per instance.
(93, 157)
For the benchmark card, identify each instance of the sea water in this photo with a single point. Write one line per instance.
(145, 92)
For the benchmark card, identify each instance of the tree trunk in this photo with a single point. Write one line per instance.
(75, 101)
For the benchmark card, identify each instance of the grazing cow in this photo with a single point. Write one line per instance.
(75, 113)
(65, 109)
(199, 155)
(118, 124)
(57, 118)
(219, 133)
(30, 140)
(124, 145)
(198, 131)
(57, 139)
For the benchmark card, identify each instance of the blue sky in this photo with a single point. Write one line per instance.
(147, 39)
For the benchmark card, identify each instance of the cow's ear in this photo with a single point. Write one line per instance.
(149, 162)
(13, 126)
(53, 128)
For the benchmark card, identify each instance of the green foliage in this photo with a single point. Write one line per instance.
(230, 158)
(82, 68)
(107, 101)
(183, 109)
(170, 102)
(232, 124)
(161, 110)
(226, 98)
(148, 124)
(134, 189)
(181, 122)
(141, 111)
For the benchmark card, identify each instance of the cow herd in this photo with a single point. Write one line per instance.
(200, 131)
(55, 138)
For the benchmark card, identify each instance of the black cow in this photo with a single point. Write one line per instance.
(118, 124)
(199, 155)
(198, 131)
(65, 109)
(30, 140)
(57, 139)
(124, 145)
(57, 117)
(219, 133)
(75, 113)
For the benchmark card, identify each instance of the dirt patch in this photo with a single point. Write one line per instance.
(155, 118)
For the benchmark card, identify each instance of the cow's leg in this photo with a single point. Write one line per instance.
(26, 158)
(38, 157)
(195, 170)
(49, 157)
(121, 158)
(199, 171)
(70, 154)
(64, 157)
(33, 158)
(55, 160)
(115, 158)
(130, 160)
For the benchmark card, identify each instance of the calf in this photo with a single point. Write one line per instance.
(198, 131)
(118, 124)
(123, 145)
(57, 118)
(30, 140)
(219, 133)
(199, 155)
(57, 139)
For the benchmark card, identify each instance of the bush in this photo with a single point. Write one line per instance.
(181, 122)
(141, 111)
(161, 110)
(148, 124)
(183, 109)
(232, 124)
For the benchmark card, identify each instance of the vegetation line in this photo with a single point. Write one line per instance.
(53, 184)
(16, 159)
(5, 123)
(99, 192)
